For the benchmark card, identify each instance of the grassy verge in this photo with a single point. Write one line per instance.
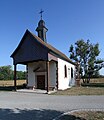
(84, 115)
(11, 88)
(81, 91)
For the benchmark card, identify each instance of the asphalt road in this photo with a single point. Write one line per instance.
(31, 106)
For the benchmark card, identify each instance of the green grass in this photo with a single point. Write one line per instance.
(81, 91)
(84, 115)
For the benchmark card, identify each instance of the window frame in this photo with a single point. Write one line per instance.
(65, 71)
(72, 73)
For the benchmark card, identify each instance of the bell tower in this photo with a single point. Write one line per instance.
(41, 29)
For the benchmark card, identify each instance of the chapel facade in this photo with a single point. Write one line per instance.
(47, 67)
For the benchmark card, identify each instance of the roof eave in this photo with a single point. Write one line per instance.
(26, 32)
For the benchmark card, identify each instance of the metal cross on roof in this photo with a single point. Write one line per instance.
(41, 13)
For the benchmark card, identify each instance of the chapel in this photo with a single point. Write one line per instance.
(47, 67)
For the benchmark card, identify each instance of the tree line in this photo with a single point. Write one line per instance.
(6, 73)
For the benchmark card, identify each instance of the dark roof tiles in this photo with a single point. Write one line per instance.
(53, 49)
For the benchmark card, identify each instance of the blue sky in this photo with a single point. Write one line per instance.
(67, 21)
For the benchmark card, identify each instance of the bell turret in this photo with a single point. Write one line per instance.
(41, 29)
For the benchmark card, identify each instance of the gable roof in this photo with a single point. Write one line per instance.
(51, 49)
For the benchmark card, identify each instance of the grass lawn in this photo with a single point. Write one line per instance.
(81, 91)
(84, 115)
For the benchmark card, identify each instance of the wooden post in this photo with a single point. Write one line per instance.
(57, 75)
(15, 86)
(27, 74)
(47, 69)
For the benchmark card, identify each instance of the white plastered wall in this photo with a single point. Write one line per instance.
(65, 82)
(32, 76)
(32, 79)
(52, 70)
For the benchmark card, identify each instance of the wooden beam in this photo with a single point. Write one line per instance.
(57, 75)
(52, 57)
(15, 84)
(47, 68)
(27, 74)
(36, 69)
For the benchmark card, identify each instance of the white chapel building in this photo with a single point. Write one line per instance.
(47, 67)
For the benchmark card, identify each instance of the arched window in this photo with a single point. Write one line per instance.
(71, 72)
(65, 70)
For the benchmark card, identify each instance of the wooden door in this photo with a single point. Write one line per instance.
(41, 82)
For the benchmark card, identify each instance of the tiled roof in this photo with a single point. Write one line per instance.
(52, 49)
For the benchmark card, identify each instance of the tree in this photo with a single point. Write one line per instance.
(86, 54)
(6, 73)
(21, 75)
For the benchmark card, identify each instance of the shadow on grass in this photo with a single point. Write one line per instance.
(33, 114)
(70, 117)
(10, 88)
(92, 84)
(28, 114)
